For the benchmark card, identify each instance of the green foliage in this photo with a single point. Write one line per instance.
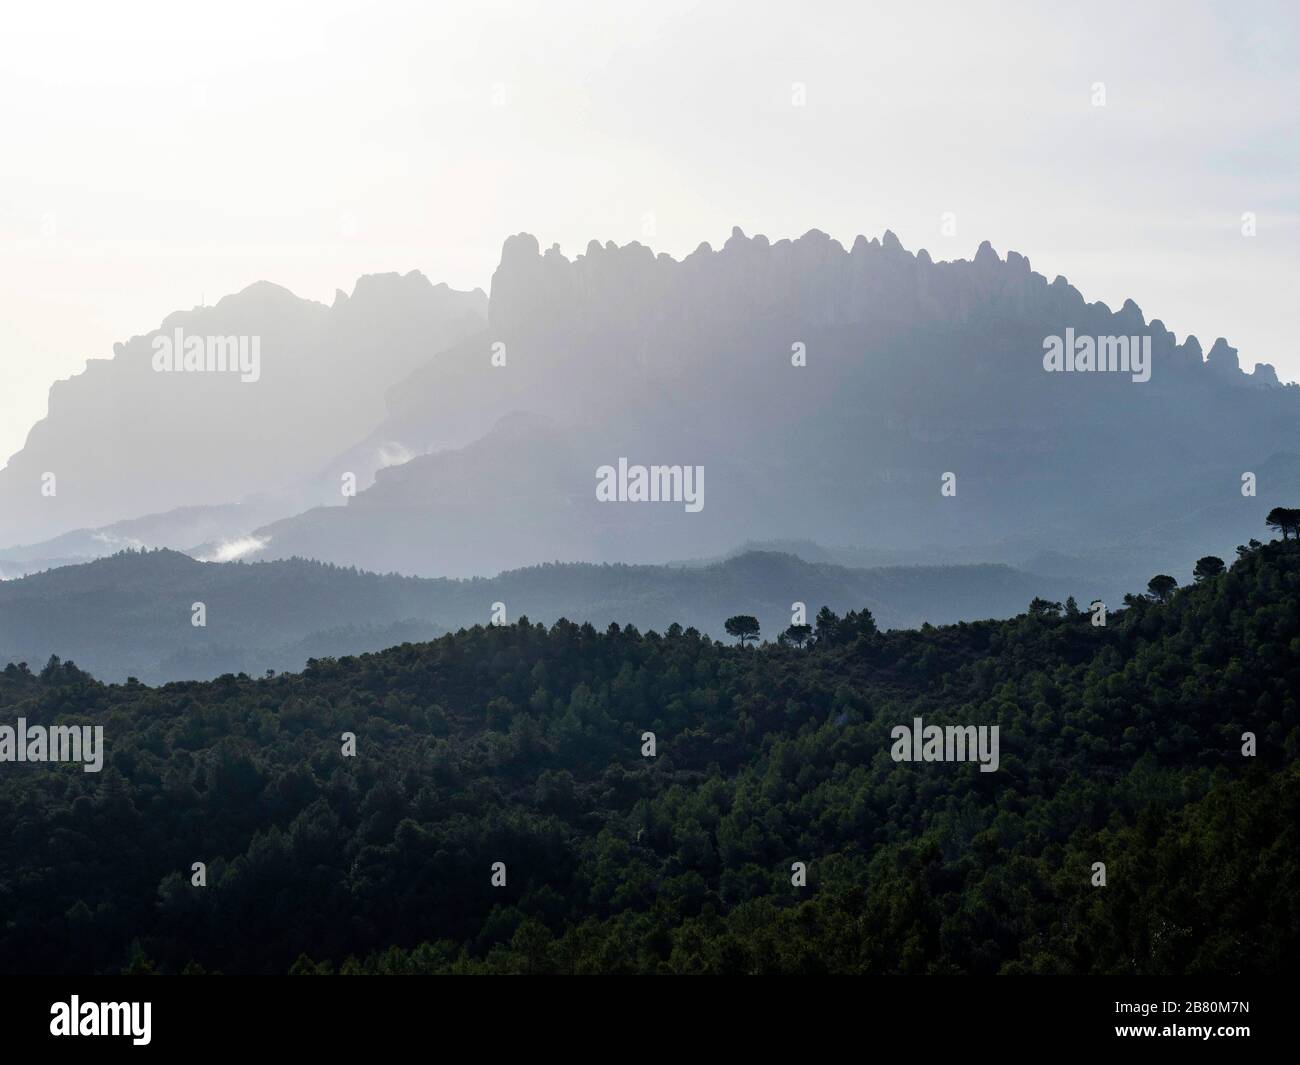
(522, 744)
(797, 634)
(1161, 587)
(742, 626)
(1207, 568)
(1286, 520)
(834, 631)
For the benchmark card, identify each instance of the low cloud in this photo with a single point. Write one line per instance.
(394, 454)
(109, 540)
(230, 550)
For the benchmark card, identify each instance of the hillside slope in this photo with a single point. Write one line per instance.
(521, 745)
(130, 615)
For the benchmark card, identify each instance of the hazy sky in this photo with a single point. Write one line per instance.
(155, 155)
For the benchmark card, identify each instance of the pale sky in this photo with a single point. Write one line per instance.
(154, 155)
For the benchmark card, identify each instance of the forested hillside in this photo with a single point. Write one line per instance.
(523, 745)
(130, 615)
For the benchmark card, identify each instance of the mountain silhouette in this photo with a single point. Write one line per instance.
(867, 397)
(123, 439)
(914, 369)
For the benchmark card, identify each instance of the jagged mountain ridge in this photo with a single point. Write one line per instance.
(914, 368)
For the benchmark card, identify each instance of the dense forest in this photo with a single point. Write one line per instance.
(520, 744)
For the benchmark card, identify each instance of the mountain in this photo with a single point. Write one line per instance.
(869, 397)
(130, 615)
(224, 528)
(915, 369)
(489, 803)
(134, 435)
